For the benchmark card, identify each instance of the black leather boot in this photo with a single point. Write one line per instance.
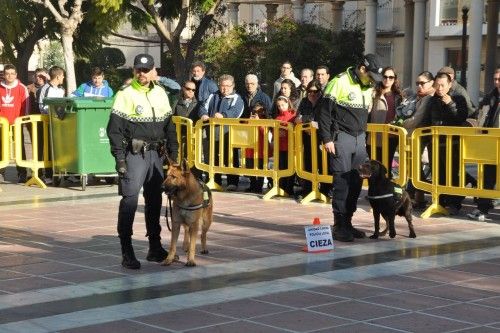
(128, 256)
(356, 233)
(156, 252)
(340, 230)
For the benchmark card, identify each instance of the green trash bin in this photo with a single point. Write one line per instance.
(79, 143)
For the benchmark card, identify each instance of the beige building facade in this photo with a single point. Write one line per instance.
(410, 35)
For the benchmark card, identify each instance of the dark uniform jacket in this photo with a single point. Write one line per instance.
(344, 106)
(141, 112)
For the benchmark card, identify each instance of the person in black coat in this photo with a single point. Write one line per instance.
(490, 104)
(253, 96)
(187, 106)
(308, 113)
(448, 110)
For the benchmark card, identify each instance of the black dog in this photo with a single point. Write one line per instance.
(386, 198)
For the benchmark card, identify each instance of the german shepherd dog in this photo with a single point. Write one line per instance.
(386, 198)
(192, 206)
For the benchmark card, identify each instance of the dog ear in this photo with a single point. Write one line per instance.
(169, 161)
(185, 166)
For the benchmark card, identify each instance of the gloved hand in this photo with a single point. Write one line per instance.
(121, 167)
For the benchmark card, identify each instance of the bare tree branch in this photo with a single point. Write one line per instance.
(76, 11)
(197, 38)
(158, 22)
(52, 9)
(62, 10)
(182, 18)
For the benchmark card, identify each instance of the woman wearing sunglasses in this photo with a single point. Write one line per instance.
(387, 97)
(307, 113)
(420, 117)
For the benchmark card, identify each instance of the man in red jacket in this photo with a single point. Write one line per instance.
(14, 102)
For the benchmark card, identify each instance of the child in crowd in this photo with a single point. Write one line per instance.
(256, 183)
(286, 114)
(96, 87)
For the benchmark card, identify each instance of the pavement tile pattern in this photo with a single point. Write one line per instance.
(60, 270)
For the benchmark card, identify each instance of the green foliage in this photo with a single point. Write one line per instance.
(244, 50)
(308, 46)
(94, 27)
(114, 76)
(236, 53)
(108, 5)
(53, 55)
(16, 28)
(167, 65)
(168, 9)
(108, 57)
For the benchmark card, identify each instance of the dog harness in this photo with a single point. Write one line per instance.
(207, 194)
(397, 194)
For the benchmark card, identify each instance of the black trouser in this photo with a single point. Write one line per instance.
(350, 153)
(448, 200)
(143, 170)
(285, 183)
(256, 183)
(393, 144)
(231, 179)
(489, 180)
(307, 162)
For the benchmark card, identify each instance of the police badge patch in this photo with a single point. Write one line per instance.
(351, 96)
(139, 109)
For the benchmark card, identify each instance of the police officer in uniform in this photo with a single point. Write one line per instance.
(139, 131)
(342, 126)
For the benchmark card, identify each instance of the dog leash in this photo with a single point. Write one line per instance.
(166, 212)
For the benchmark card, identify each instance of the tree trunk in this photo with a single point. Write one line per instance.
(22, 66)
(69, 61)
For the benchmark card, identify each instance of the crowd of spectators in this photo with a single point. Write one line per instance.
(437, 99)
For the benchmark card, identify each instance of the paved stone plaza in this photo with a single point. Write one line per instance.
(60, 270)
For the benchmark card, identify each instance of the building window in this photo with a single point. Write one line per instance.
(448, 12)
(384, 50)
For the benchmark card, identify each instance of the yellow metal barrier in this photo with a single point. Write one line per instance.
(319, 169)
(476, 147)
(4, 143)
(243, 134)
(319, 164)
(384, 132)
(35, 163)
(185, 138)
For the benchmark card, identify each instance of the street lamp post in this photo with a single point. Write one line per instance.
(463, 75)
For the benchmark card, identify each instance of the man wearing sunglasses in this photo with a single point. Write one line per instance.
(342, 125)
(139, 128)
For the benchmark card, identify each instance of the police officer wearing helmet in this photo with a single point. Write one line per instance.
(342, 126)
(138, 129)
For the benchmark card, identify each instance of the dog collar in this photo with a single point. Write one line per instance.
(206, 199)
(398, 191)
(388, 195)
